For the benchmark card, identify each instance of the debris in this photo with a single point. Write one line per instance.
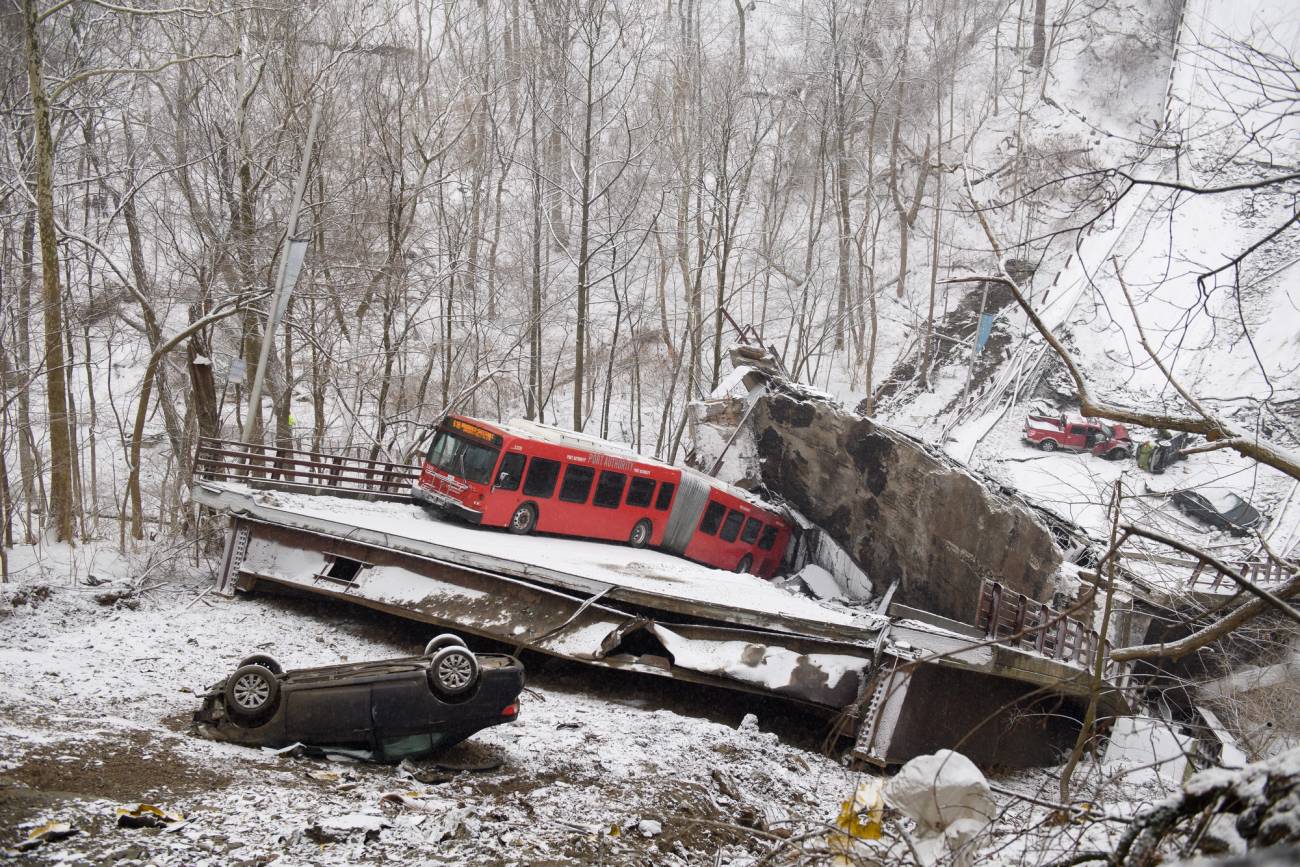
(455, 822)
(414, 802)
(948, 798)
(1225, 748)
(726, 784)
(1149, 746)
(649, 828)
(30, 596)
(337, 754)
(325, 776)
(49, 832)
(337, 828)
(147, 816)
(820, 583)
(125, 596)
(748, 723)
(860, 815)
(409, 770)
(482, 765)
(859, 819)
(775, 819)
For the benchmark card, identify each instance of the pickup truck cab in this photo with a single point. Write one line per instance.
(1077, 434)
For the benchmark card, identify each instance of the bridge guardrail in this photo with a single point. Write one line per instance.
(292, 469)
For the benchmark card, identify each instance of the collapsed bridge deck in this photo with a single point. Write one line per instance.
(647, 611)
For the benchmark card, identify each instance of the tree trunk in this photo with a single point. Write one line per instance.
(60, 490)
(584, 240)
(198, 352)
(27, 463)
(1038, 53)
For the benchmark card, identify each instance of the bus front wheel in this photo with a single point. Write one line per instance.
(524, 519)
(640, 534)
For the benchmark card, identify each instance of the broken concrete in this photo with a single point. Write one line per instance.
(903, 511)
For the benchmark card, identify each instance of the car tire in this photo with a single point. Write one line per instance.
(1116, 455)
(453, 671)
(640, 534)
(267, 662)
(1048, 445)
(524, 519)
(438, 642)
(746, 563)
(251, 694)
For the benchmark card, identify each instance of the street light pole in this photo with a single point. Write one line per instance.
(290, 262)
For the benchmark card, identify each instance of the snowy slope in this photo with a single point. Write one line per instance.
(1233, 348)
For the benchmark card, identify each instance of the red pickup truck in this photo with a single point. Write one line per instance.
(1077, 434)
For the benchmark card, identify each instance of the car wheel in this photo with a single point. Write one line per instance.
(640, 534)
(453, 671)
(252, 693)
(1048, 445)
(745, 564)
(438, 642)
(524, 519)
(267, 662)
(1116, 455)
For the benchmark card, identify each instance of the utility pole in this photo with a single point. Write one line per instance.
(290, 264)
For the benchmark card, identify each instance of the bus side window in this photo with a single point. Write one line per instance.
(609, 490)
(640, 492)
(731, 526)
(540, 481)
(768, 539)
(577, 483)
(511, 472)
(750, 533)
(665, 496)
(712, 518)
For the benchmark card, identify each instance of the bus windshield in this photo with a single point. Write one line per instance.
(463, 458)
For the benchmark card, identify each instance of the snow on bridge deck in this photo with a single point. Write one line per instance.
(642, 576)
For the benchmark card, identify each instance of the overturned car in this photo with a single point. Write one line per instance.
(1222, 510)
(388, 709)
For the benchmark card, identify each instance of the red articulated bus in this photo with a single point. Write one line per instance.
(533, 477)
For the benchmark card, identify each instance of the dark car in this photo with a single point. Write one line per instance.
(1223, 510)
(391, 709)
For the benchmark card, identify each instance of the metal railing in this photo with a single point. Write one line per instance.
(1042, 629)
(1257, 572)
(270, 466)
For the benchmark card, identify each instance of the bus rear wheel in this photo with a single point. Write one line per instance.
(524, 519)
(640, 534)
(745, 564)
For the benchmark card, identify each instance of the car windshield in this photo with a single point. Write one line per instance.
(460, 457)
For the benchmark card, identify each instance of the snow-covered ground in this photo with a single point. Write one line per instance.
(602, 767)
(95, 700)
